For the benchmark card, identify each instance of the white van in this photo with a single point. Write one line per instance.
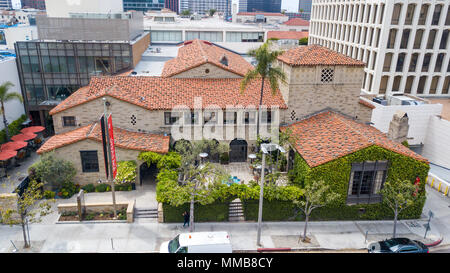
(198, 242)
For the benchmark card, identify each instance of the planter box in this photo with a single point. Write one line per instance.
(100, 207)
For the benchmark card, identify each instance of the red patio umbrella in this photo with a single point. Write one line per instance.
(32, 129)
(14, 145)
(7, 154)
(23, 137)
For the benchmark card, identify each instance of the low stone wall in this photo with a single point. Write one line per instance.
(100, 207)
(8, 203)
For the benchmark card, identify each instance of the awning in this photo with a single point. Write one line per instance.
(32, 129)
(5, 155)
(23, 137)
(14, 145)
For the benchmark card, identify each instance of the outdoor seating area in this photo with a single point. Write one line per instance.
(20, 147)
(233, 180)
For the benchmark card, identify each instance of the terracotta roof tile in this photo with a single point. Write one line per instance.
(316, 55)
(123, 139)
(156, 93)
(197, 52)
(327, 136)
(297, 22)
(292, 35)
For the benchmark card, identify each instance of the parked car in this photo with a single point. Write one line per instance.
(198, 242)
(398, 245)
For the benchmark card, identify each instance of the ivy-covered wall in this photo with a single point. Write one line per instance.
(337, 174)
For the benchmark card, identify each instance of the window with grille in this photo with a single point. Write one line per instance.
(89, 161)
(230, 118)
(133, 119)
(327, 75)
(69, 121)
(366, 181)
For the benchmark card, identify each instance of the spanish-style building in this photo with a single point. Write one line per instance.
(198, 96)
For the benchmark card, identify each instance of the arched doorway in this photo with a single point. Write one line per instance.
(213, 157)
(238, 150)
(147, 175)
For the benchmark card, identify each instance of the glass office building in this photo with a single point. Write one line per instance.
(51, 71)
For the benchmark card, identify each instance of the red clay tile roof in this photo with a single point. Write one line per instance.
(197, 52)
(316, 55)
(327, 136)
(287, 35)
(261, 13)
(123, 139)
(297, 22)
(156, 93)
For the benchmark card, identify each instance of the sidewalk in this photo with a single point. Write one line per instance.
(147, 237)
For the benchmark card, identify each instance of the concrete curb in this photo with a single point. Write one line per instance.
(438, 184)
(93, 222)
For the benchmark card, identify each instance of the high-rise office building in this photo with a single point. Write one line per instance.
(143, 5)
(202, 6)
(304, 9)
(405, 45)
(173, 5)
(34, 4)
(260, 5)
(6, 4)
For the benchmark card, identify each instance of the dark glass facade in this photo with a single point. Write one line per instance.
(264, 5)
(143, 5)
(51, 71)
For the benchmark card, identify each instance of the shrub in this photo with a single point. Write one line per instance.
(13, 128)
(224, 158)
(102, 188)
(126, 171)
(68, 189)
(52, 171)
(89, 188)
(49, 194)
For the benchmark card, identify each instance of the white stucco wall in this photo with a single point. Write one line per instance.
(19, 33)
(437, 147)
(419, 117)
(8, 72)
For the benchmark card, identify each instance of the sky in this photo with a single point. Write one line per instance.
(289, 5)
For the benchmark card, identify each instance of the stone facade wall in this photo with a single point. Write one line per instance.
(139, 48)
(305, 94)
(153, 121)
(200, 72)
(8, 201)
(72, 152)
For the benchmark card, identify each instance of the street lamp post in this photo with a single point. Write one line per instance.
(108, 148)
(265, 148)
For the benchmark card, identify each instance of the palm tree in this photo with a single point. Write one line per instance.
(264, 69)
(5, 97)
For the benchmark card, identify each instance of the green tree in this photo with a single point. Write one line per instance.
(211, 12)
(52, 171)
(6, 96)
(316, 194)
(30, 207)
(197, 177)
(264, 70)
(400, 194)
(303, 41)
(186, 12)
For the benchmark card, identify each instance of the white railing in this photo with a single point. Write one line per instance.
(438, 184)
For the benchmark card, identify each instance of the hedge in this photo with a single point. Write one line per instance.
(14, 128)
(274, 210)
(215, 212)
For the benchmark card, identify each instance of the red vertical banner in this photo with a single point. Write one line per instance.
(112, 146)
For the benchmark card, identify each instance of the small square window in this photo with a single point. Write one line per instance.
(69, 122)
(327, 75)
